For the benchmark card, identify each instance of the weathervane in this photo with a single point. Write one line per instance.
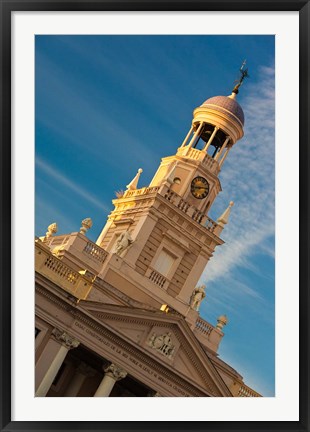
(244, 74)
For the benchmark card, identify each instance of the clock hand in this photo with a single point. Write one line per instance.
(200, 187)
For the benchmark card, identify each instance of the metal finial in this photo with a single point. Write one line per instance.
(244, 74)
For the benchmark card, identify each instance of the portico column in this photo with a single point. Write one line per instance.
(66, 342)
(82, 372)
(113, 373)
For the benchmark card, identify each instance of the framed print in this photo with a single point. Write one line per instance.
(155, 170)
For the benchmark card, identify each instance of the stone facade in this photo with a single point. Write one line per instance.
(120, 317)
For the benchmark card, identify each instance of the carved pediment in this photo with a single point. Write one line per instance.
(166, 338)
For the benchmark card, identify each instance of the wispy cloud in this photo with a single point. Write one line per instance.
(128, 78)
(253, 376)
(64, 181)
(248, 179)
(47, 212)
(101, 127)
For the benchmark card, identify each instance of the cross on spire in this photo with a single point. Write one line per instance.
(244, 74)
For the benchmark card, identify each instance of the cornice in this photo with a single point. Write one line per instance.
(169, 325)
(117, 294)
(90, 317)
(137, 352)
(60, 297)
(202, 229)
(169, 322)
(80, 314)
(195, 164)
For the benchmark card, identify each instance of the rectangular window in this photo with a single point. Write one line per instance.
(164, 262)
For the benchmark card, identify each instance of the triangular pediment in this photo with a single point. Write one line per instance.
(166, 338)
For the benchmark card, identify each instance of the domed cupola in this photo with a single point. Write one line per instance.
(223, 113)
(218, 124)
(226, 105)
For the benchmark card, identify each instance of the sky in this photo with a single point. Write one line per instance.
(108, 105)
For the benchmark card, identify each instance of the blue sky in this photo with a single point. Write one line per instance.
(108, 105)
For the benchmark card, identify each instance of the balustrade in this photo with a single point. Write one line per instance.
(174, 199)
(197, 215)
(142, 191)
(246, 391)
(203, 327)
(170, 195)
(201, 155)
(95, 252)
(57, 241)
(55, 270)
(211, 163)
(157, 278)
(183, 205)
(192, 211)
(194, 153)
(210, 224)
(63, 271)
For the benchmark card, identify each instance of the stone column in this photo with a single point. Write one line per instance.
(82, 372)
(225, 156)
(187, 136)
(196, 135)
(113, 373)
(219, 154)
(65, 342)
(211, 138)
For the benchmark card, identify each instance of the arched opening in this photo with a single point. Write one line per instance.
(217, 139)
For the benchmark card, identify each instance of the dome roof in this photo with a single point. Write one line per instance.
(227, 103)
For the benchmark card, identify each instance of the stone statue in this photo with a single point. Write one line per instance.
(162, 343)
(167, 344)
(197, 297)
(123, 242)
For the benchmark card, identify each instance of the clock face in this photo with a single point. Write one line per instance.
(200, 187)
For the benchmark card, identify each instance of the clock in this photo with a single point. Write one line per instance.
(200, 187)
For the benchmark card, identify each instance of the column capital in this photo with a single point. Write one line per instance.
(154, 393)
(65, 339)
(115, 372)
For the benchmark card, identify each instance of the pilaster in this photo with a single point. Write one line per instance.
(192, 279)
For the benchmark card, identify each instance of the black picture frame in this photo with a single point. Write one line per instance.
(7, 7)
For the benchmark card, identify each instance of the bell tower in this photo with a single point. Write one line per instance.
(193, 172)
(160, 237)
